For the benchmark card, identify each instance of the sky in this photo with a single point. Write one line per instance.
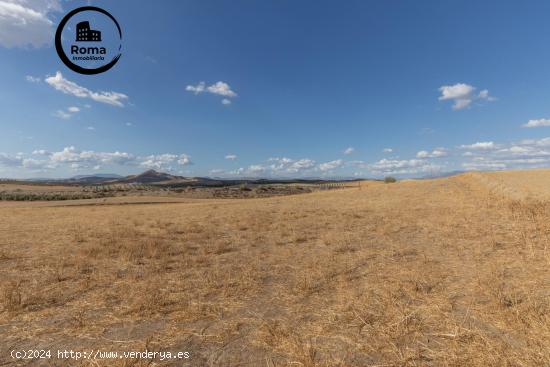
(284, 88)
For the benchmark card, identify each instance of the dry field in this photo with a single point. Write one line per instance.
(46, 192)
(446, 272)
(19, 187)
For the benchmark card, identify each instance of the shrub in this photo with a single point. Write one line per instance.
(389, 179)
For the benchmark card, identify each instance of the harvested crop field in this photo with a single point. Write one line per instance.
(444, 272)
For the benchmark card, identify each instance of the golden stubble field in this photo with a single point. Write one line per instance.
(446, 272)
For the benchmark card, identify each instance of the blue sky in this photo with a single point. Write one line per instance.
(281, 89)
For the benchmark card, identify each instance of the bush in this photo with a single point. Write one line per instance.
(244, 187)
(389, 179)
(51, 196)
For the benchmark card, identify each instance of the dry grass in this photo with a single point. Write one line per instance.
(434, 273)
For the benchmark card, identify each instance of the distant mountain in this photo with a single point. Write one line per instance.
(99, 175)
(150, 176)
(95, 178)
(161, 179)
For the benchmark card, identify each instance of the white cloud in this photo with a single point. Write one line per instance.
(73, 158)
(18, 161)
(475, 166)
(522, 154)
(349, 151)
(91, 128)
(72, 155)
(9, 160)
(32, 79)
(411, 166)
(68, 87)
(274, 167)
(231, 157)
(288, 165)
(184, 160)
(537, 123)
(256, 168)
(129, 124)
(26, 23)
(329, 166)
(159, 161)
(462, 95)
(66, 114)
(436, 153)
(523, 151)
(387, 150)
(220, 88)
(34, 164)
(62, 114)
(482, 145)
(282, 160)
(301, 165)
(199, 88)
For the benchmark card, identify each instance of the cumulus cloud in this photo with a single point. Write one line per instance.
(73, 158)
(329, 166)
(485, 166)
(537, 123)
(19, 161)
(462, 95)
(231, 157)
(436, 153)
(25, 23)
(89, 157)
(256, 168)
(66, 86)
(62, 114)
(159, 161)
(529, 153)
(288, 165)
(482, 145)
(273, 167)
(66, 114)
(82, 159)
(220, 88)
(197, 89)
(410, 166)
(349, 150)
(9, 160)
(184, 160)
(301, 165)
(32, 79)
(33, 164)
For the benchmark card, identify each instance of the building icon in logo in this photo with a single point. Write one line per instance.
(84, 33)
